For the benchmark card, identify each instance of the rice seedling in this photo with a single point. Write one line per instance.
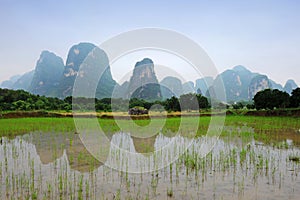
(294, 158)
(170, 192)
(49, 163)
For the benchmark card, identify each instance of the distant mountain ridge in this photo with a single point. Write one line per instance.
(24, 81)
(9, 83)
(52, 78)
(240, 84)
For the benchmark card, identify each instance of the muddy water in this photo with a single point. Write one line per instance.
(57, 165)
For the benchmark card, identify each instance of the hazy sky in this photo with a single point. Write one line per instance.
(262, 35)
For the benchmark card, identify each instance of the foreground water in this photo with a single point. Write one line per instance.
(56, 165)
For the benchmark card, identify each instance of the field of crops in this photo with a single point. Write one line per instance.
(253, 158)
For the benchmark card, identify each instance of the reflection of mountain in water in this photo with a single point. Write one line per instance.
(144, 145)
(141, 151)
(78, 156)
(226, 167)
(51, 146)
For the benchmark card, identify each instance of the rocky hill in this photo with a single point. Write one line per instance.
(236, 82)
(275, 85)
(171, 86)
(240, 84)
(24, 82)
(52, 78)
(47, 73)
(203, 84)
(289, 86)
(143, 82)
(258, 83)
(9, 83)
(89, 63)
(76, 56)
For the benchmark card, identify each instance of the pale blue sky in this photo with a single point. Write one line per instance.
(263, 35)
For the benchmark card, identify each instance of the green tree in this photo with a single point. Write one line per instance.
(238, 105)
(202, 101)
(270, 99)
(135, 102)
(295, 98)
(20, 105)
(39, 104)
(280, 99)
(250, 106)
(189, 102)
(68, 100)
(172, 104)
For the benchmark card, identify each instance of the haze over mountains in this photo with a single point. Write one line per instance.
(51, 77)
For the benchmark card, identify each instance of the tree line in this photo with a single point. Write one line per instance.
(20, 100)
(271, 99)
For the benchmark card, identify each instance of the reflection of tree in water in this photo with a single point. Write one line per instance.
(144, 145)
(78, 156)
(50, 146)
(276, 136)
(238, 135)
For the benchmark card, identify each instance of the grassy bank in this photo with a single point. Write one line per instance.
(155, 114)
(16, 126)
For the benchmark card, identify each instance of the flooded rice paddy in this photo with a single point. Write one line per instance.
(242, 165)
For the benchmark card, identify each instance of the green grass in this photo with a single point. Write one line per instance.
(262, 125)
(245, 163)
(18, 126)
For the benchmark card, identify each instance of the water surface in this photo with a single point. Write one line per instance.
(53, 165)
